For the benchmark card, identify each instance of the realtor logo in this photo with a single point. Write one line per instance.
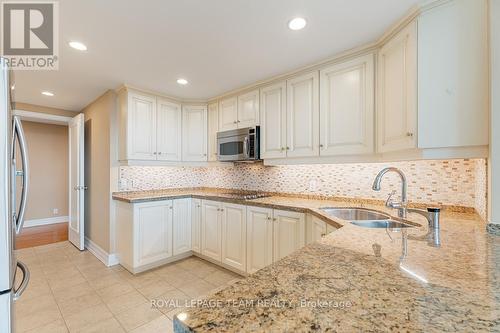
(30, 34)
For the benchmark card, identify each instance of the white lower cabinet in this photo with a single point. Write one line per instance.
(234, 228)
(196, 225)
(211, 230)
(317, 229)
(153, 236)
(181, 226)
(259, 238)
(289, 233)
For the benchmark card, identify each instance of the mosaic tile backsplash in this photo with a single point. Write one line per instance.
(448, 182)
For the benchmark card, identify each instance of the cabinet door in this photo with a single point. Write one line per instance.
(228, 114)
(453, 98)
(303, 116)
(196, 225)
(289, 233)
(194, 133)
(211, 230)
(347, 108)
(168, 130)
(152, 232)
(213, 128)
(248, 109)
(181, 226)
(397, 89)
(141, 136)
(273, 121)
(259, 238)
(316, 229)
(234, 227)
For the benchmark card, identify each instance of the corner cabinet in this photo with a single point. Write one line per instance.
(397, 92)
(153, 128)
(194, 133)
(213, 128)
(151, 234)
(347, 107)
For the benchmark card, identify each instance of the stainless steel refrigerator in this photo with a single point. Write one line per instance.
(14, 275)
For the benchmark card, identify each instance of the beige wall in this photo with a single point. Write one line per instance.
(98, 146)
(494, 188)
(44, 109)
(48, 161)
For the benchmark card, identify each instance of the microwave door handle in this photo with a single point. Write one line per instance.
(19, 133)
(24, 284)
(245, 147)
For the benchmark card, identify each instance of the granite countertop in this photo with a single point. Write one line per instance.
(355, 279)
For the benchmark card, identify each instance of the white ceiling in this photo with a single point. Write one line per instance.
(218, 45)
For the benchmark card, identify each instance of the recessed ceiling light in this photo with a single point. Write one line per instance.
(78, 46)
(297, 23)
(182, 82)
(47, 93)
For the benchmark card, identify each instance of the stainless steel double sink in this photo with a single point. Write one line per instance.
(366, 218)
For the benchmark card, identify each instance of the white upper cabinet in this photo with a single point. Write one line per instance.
(228, 114)
(194, 133)
(397, 92)
(303, 115)
(169, 129)
(273, 121)
(181, 226)
(259, 238)
(141, 127)
(248, 109)
(234, 230)
(453, 98)
(289, 233)
(213, 128)
(347, 107)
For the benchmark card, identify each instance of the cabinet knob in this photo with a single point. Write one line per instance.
(287, 148)
(275, 219)
(235, 122)
(321, 146)
(159, 153)
(323, 234)
(171, 207)
(238, 121)
(269, 218)
(409, 134)
(154, 153)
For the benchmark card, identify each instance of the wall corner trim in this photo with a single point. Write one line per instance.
(96, 250)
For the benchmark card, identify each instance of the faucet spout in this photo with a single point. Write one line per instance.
(401, 206)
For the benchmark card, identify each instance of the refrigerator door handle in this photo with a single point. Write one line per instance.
(19, 133)
(24, 284)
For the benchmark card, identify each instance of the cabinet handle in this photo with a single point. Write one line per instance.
(409, 134)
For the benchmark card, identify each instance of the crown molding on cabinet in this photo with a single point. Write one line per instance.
(173, 99)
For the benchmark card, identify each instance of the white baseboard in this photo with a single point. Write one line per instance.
(50, 220)
(106, 258)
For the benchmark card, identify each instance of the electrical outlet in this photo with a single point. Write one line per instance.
(313, 185)
(55, 211)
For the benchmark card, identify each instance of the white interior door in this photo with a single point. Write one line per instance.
(76, 181)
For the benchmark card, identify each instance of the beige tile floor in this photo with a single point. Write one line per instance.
(72, 291)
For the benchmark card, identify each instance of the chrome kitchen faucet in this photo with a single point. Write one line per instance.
(432, 214)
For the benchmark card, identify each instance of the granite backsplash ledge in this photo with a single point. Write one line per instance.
(459, 182)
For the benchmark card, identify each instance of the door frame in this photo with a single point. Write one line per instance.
(46, 118)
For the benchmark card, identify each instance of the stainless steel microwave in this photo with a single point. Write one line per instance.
(239, 145)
